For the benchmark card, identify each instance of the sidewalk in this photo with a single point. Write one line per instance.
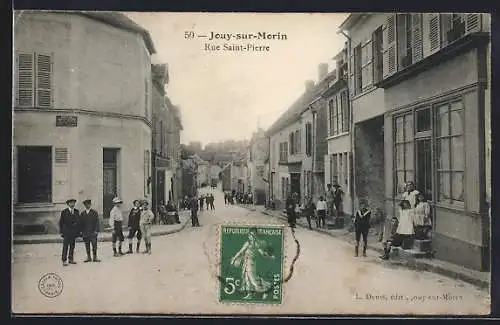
(480, 279)
(104, 236)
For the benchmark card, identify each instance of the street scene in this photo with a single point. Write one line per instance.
(209, 163)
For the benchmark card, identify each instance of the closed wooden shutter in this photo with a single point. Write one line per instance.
(417, 48)
(472, 23)
(389, 53)
(43, 80)
(25, 80)
(434, 33)
(351, 73)
(61, 175)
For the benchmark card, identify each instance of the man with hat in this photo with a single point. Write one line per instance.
(116, 222)
(134, 226)
(69, 228)
(89, 221)
(338, 195)
(147, 218)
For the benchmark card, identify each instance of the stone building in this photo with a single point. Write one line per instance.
(420, 89)
(82, 113)
(258, 153)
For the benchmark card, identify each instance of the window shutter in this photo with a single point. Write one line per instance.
(14, 174)
(472, 23)
(351, 74)
(434, 33)
(389, 39)
(327, 171)
(417, 50)
(61, 174)
(43, 81)
(25, 80)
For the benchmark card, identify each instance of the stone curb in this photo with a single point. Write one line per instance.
(104, 238)
(412, 263)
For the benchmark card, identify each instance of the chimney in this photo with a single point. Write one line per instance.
(322, 71)
(309, 85)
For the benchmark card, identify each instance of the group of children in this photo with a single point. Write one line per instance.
(414, 219)
(73, 224)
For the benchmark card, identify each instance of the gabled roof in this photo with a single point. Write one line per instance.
(351, 20)
(119, 20)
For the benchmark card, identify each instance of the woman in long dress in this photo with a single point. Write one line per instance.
(251, 281)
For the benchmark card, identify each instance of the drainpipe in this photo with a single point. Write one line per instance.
(313, 149)
(351, 120)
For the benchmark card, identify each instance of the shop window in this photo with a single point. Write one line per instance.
(404, 151)
(34, 174)
(450, 152)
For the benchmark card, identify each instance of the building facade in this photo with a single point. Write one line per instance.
(174, 147)
(82, 113)
(258, 153)
(162, 174)
(420, 95)
(338, 161)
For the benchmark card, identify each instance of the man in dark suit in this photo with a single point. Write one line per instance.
(194, 212)
(69, 228)
(89, 222)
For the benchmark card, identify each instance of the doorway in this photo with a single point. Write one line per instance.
(160, 187)
(295, 183)
(109, 177)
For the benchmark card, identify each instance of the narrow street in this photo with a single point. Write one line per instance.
(181, 277)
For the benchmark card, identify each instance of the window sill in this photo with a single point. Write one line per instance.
(337, 135)
(364, 92)
(448, 52)
(34, 206)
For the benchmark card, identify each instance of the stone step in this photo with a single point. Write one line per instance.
(408, 253)
(422, 245)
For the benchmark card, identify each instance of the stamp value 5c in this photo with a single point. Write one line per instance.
(251, 264)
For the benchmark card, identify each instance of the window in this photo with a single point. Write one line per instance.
(298, 139)
(283, 151)
(450, 152)
(377, 49)
(358, 81)
(284, 187)
(162, 137)
(334, 173)
(404, 154)
(346, 113)
(404, 40)
(292, 143)
(331, 112)
(34, 80)
(340, 120)
(146, 99)
(308, 139)
(452, 27)
(366, 65)
(34, 174)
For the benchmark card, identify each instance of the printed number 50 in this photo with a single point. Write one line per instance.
(231, 285)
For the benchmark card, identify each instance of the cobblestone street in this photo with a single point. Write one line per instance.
(181, 277)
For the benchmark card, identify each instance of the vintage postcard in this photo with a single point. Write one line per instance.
(251, 163)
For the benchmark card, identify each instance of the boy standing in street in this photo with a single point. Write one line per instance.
(89, 220)
(147, 218)
(362, 225)
(134, 227)
(116, 223)
(69, 228)
(321, 209)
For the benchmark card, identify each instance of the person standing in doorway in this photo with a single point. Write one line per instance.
(338, 196)
(116, 223)
(134, 228)
(146, 221)
(194, 212)
(362, 225)
(321, 210)
(291, 203)
(69, 228)
(89, 220)
(329, 200)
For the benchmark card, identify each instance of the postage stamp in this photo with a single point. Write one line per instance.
(251, 264)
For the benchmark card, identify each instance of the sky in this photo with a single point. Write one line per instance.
(226, 95)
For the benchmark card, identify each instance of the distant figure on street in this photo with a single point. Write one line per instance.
(321, 208)
(194, 212)
(309, 210)
(212, 199)
(116, 223)
(69, 228)
(338, 196)
(146, 222)
(201, 199)
(89, 220)
(134, 227)
(172, 211)
(226, 198)
(362, 225)
(291, 203)
(329, 200)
